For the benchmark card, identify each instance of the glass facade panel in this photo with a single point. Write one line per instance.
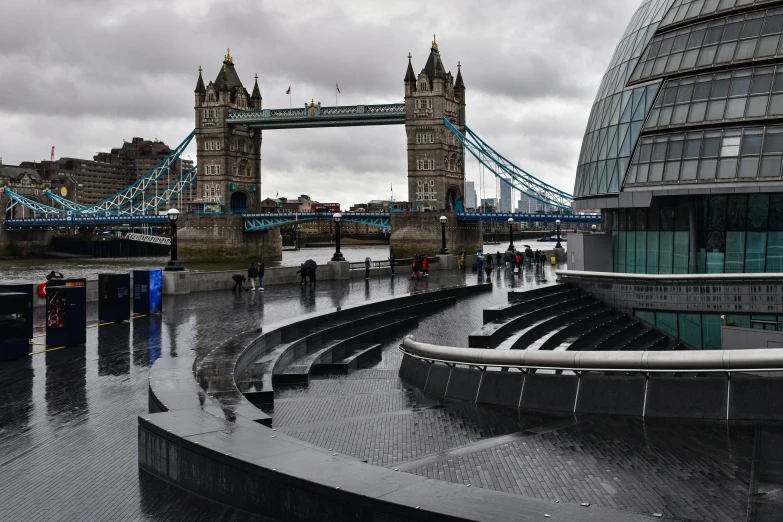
(618, 113)
(691, 10)
(689, 326)
(734, 39)
(667, 321)
(710, 331)
(749, 92)
(734, 233)
(665, 249)
(743, 154)
(645, 315)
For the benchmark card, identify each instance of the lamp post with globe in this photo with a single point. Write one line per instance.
(173, 264)
(338, 256)
(510, 234)
(443, 250)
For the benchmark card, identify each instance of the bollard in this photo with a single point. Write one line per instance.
(553, 260)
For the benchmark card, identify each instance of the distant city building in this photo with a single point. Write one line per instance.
(505, 197)
(91, 181)
(471, 197)
(489, 205)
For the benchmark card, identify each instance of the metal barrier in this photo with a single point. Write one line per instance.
(762, 359)
(744, 276)
(359, 265)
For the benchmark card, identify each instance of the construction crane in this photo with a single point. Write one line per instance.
(51, 158)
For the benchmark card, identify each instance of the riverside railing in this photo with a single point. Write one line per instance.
(739, 276)
(690, 361)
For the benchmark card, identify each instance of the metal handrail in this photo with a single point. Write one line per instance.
(671, 277)
(690, 361)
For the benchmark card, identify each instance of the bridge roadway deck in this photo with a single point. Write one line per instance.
(68, 422)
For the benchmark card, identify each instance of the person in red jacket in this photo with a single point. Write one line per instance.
(425, 264)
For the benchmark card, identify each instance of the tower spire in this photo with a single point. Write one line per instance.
(434, 43)
(227, 58)
(200, 89)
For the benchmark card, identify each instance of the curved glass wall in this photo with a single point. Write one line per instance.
(735, 233)
(721, 97)
(688, 10)
(730, 154)
(734, 39)
(604, 154)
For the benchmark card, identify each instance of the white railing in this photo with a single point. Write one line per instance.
(147, 238)
(744, 276)
(762, 359)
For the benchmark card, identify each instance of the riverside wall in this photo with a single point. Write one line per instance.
(420, 232)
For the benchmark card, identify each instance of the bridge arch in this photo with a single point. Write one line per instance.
(238, 203)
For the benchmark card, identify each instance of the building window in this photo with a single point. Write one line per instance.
(446, 163)
(423, 103)
(425, 138)
(425, 164)
(213, 170)
(425, 190)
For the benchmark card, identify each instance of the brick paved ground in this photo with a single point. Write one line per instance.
(68, 418)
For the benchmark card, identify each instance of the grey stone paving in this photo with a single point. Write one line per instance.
(68, 418)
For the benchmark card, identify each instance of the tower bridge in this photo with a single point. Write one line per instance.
(229, 123)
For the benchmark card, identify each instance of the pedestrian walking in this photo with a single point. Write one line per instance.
(367, 263)
(391, 263)
(498, 260)
(261, 275)
(252, 274)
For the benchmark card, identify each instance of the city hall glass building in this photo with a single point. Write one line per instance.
(683, 151)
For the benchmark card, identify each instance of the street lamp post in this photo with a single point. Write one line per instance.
(173, 265)
(443, 250)
(511, 234)
(338, 256)
(557, 225)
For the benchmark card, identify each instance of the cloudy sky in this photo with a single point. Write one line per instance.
(84, 74)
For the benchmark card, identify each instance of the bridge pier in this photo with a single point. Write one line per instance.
(220, 237)
(420, 233)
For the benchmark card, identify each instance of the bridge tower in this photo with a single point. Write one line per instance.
(436, 160)
(228, 157)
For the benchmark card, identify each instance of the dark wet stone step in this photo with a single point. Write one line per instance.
(358, 360)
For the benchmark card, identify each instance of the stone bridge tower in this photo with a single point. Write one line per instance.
(228, 157)
(436, 159)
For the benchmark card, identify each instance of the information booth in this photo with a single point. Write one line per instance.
(114, 298)
(66, 312)
(147, 291)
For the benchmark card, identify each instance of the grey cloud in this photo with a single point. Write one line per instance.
(86, 74)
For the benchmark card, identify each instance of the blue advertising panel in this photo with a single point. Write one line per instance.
(147, 291)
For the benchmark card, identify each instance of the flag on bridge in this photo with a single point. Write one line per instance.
(289, 90)
(337, 86)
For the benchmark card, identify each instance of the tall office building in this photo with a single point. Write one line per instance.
(471, 198)
(505, 197)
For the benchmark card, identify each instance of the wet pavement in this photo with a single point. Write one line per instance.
(68, 418)
(68, 427)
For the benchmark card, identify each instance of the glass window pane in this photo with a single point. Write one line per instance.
(674, 63)
(773, 142)
(758, 211)
(672, 171)
(767, 46)
(691, 149)
(749, 167)
(710, 331)
(720, 89)
(773, 25)
(735, 108)
(775, 252)
(730, 146)
(669, 95)
(710, 147)
(689, 59)
(701, 91)
(737, 212)
(762, 83)
(666, 321)
(675, 150)
(735, 252)
(775, 105)
(715, 109)
(726, 52)
(684, 93)
(680, 256)
(751, 144)
(745, 49)
(680, 114)
(679, 43)
(770, 167)
(652, 250)
(731, 32)
(751, 28)
(641, 252)
(659, 151)
(757, 106)
(695, 39)
(630, 252)
(740, 86)
(645, 315)
(706, 56)
(698, 110)
(713, 35)
(616, 251)
(707, 169)
(739, 320)
(690, 329)
(727, 168)
(777, 85)
(756, 251)
(665, 252)
(666, 46)
(689, 169)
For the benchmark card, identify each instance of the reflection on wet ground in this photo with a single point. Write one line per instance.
(68, 420)
(68, 417)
